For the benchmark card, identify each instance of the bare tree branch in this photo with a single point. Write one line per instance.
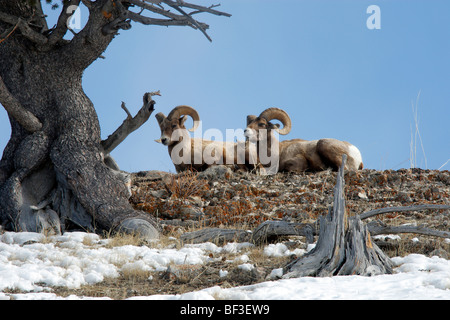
(198, 8)
(183, 19)
(39, 18)
(130, 124)
(160, 22)
(24, 28)
(150, 7)
(24, 117)
(61, 26)
(48, 39)
(189, 18)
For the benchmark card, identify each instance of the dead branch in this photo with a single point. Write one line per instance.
(378, 227)
(24, 28)
(173, 19)
(215, 235)
(270, 230)
(130, 124)
(156, 22)
(24, 117)
(422, 207)
(60, 29)
(158, 10)
(122, 20)
(200, 8)
(8, 32)
(176, 6)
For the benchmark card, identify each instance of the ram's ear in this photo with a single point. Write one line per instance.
(273, 126)
(182, 120)
(250, 119)
(160, 117)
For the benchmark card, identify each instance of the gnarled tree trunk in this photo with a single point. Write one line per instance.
(55, 171)
(53, 175)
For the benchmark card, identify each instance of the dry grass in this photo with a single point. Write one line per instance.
(235, 214)
(426, 245)
(185, 185)
(123, 239)
(186, 278)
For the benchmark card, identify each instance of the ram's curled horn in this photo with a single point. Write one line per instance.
(186, 110)
(278, 114)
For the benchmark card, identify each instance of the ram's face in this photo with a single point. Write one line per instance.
(168, 127)
(258, 128)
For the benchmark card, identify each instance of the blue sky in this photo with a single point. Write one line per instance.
(317, 60)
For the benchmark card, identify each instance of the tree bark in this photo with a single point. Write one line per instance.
(271, 231)
(54, 177)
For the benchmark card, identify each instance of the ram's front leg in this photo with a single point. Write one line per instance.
(296, 164)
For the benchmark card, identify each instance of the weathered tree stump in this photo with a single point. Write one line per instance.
(344, 246)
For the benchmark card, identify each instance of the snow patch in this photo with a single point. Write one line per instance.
(30, 264)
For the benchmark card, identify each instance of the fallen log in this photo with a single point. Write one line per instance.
(271, 231)
(215, 235)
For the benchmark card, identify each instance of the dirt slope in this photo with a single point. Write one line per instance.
(222, 198)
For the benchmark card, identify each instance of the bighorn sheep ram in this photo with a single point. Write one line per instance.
(299, 155)
(191, 153)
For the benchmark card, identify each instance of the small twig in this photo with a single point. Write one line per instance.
(189, 18)
(155, 6)
(10, 32)
(24, 28)
(129, 116)
(202, 8)
(443, 164)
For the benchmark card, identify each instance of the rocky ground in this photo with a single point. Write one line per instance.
(220, 198)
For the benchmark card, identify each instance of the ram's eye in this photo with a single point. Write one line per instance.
(261, 124)
(174, 126)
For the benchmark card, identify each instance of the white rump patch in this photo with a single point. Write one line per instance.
(355, 154)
